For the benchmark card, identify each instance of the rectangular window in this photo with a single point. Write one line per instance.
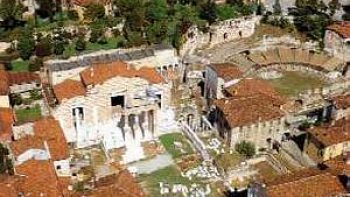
(117, 101)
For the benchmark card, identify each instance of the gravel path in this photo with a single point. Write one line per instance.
(154, 164)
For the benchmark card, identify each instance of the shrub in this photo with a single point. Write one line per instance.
(44, 47)
(80, 45)
(58, 47)
(35, 64)
(245, 148)
(16, 99)
(73, 15)
(26, 45)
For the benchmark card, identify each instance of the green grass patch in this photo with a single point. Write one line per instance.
(112, 43)
(168, 142)
(28, 114)
(20, 65)
(170, 175)
(293, 83)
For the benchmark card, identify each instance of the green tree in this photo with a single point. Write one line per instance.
(47, 8)
(156, 10)
(346, 15)
(6, 166)
(10, 12)
(226, 12)
(58, 47)
(44, 47)
(208, 12)
(94, 11)
(35, 64)
(16, 99)
(245, 148)
(26, 44)
(80, 44)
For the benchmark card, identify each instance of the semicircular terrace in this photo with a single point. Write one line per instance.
(289, 59)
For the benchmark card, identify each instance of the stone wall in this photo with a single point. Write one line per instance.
(221, 32)
(337, 46)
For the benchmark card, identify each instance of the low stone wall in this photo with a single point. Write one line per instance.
(220, 32)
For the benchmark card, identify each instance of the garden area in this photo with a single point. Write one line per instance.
(293, 83)
(28, 114)
(176, 144)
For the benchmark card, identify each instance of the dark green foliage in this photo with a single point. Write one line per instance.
(310, 17)
(95, 35)
(225, 12)
(35, 64)
(58, 47)
(73, 15)
(16, 99)
(35, 95)
(94, 11)
(245, 148)
(6, 166)
(346, 15)
(44, 47)
(208, 12)
(10, 12)
(80, 44)
(26, 44)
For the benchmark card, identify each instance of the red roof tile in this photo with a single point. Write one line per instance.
(4, 84)
(6, 122)
(244, 111)
(341, 28)
(68, 89)
(249, 87)
(227, 71)
(11, 78)
(20, 146)
(342, 102)
(8, 186)
(97, 74)
(330, 134)
(45, 130)
(49, 130)
(23, 78)
(305, 183)
(38, 178)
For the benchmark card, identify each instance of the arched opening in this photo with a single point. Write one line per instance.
(240, 34)
(201, 86)
(225, 36)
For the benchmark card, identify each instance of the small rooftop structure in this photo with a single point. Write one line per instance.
(305, 183)
(332, 133)
(341, 28)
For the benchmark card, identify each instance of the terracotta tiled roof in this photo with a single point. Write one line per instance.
(305, 183)
(97, 74)
(8, 186)
(6, 122)
(20, 146)
(340, 165)
(226, 71)
(342, 102)
(49, 130)
(23, 78)
(10, 78)
(68, 89)
(38, 178)
(330, 134)
(249, 86)
(4, 84)
(341, 28)
(123, 185)
(244, 111)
